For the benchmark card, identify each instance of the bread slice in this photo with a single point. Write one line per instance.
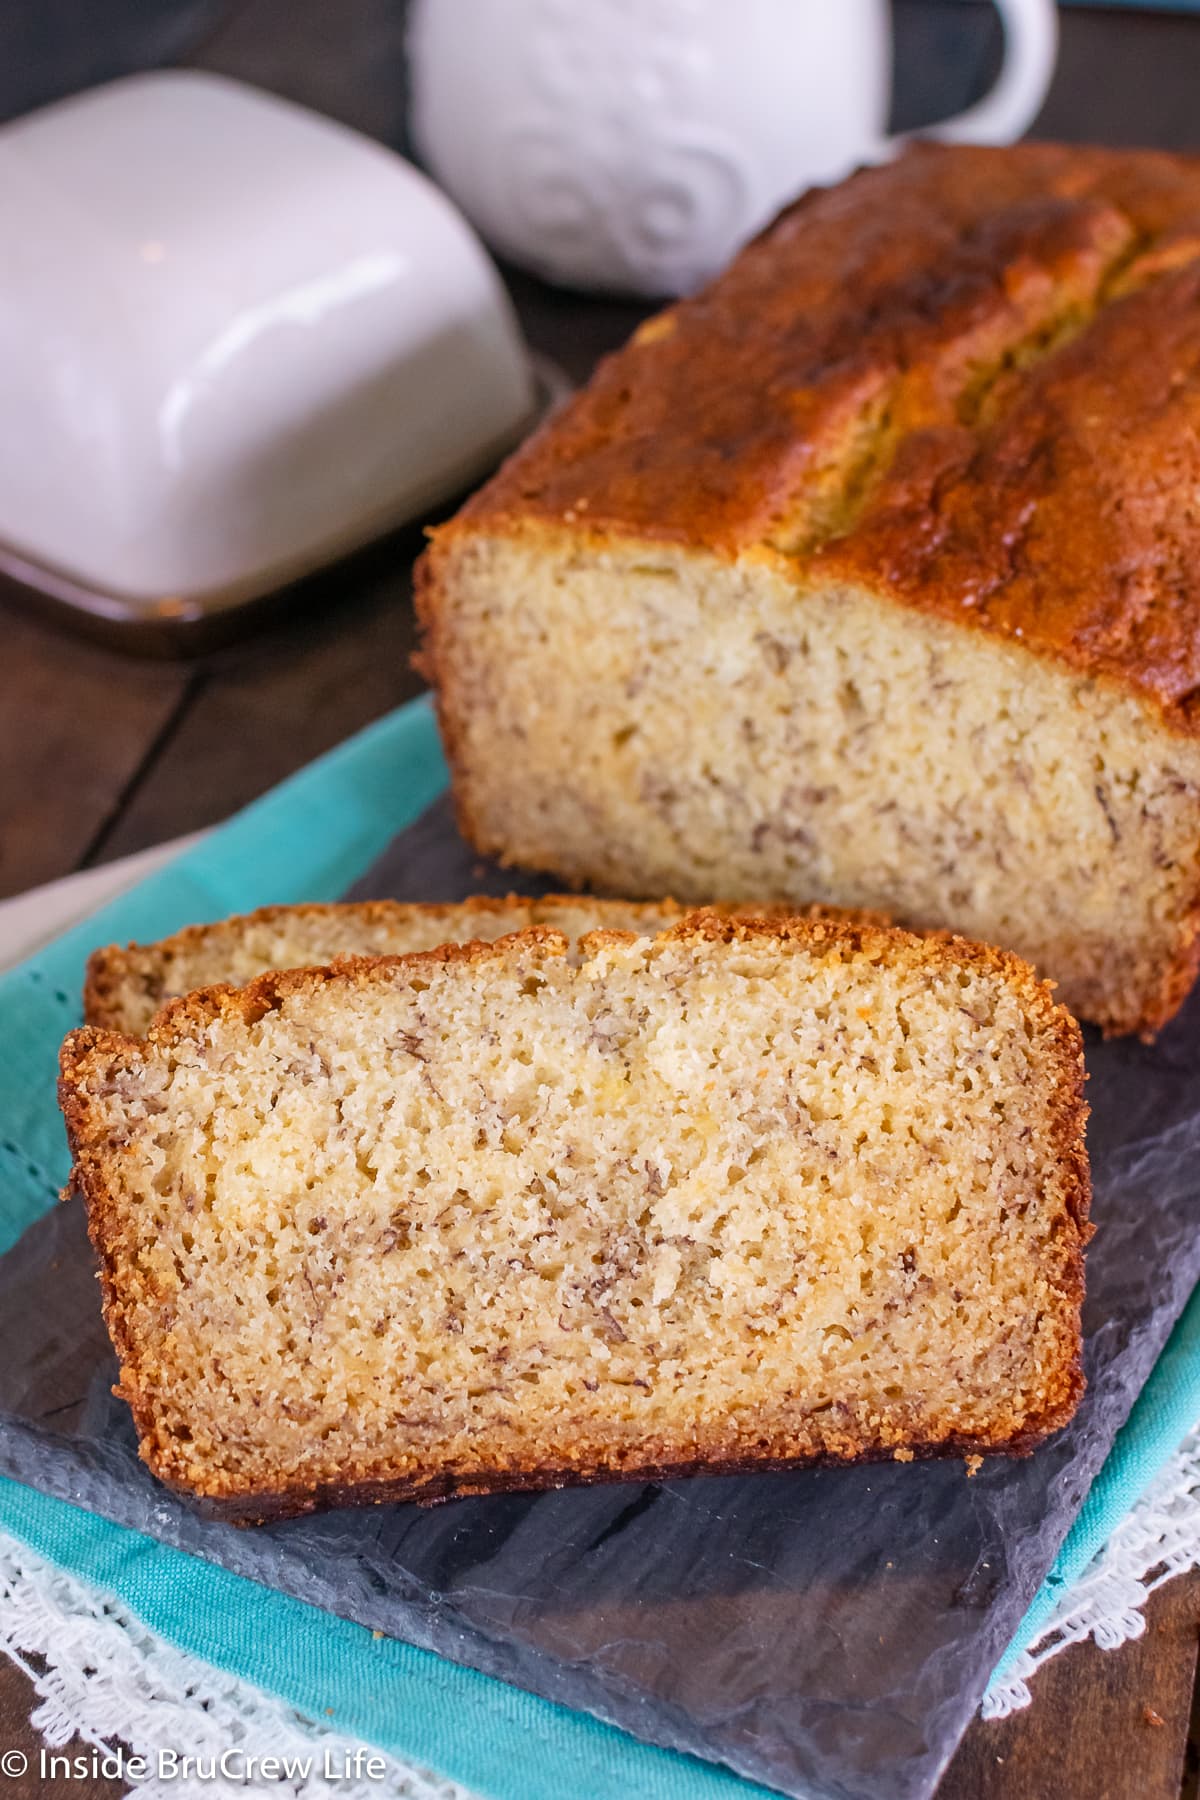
(126, 985)
(742, 1195)
(871, 575)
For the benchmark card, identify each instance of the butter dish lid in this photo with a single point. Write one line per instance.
(238, 340)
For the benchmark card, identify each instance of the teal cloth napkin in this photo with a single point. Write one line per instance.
(309, 839)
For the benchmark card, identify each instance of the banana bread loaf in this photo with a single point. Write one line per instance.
(871, 575)
(745, 1194)
(126, 985)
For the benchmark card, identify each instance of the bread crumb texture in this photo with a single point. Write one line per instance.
(828, 748)
(736, 1195)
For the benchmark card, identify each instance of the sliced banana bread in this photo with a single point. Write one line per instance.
(871, 575)
(744, 1194)
(126, 985)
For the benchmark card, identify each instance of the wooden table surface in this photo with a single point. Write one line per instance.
(101, 755)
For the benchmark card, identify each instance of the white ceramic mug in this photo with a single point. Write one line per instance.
(634, 144)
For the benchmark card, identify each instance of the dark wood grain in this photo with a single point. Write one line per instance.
(78, 726)
(1093, 1730)
(1125, 78)
(277, 702)
(100, 756)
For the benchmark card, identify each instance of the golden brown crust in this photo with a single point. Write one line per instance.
(265, 1507)
(969, 380)
(92, 1058)
(432, 662)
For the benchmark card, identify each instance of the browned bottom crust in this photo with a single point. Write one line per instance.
(294, 1503)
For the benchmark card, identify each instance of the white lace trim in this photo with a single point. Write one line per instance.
(1158, 1539)
(107, 1676)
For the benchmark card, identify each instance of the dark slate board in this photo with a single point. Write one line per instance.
(827, 1632)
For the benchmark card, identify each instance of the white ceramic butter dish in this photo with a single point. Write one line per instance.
(237, 340)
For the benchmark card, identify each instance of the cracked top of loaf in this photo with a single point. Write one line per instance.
(969, 380)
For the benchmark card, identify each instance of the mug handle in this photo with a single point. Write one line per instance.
(1030, 51)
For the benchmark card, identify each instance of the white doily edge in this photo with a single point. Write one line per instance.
(1158, 1539)
(106, 1676)
(100, 1673)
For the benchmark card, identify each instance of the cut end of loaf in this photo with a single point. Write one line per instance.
(742, 1195)
(748, 730)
